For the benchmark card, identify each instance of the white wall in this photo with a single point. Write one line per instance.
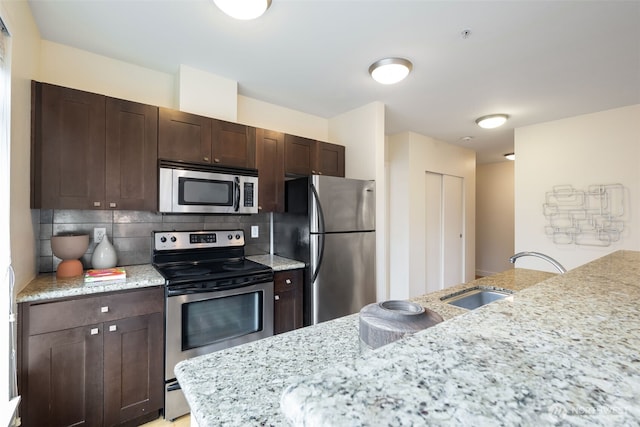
(24, 67)
(207, 95)
(362, 132)
(410, 157)
(78, 69)
(494, 217)
(599, 148)
(264, 115)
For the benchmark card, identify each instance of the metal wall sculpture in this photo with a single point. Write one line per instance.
(592, 217)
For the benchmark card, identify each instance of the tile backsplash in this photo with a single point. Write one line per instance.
(130, 231)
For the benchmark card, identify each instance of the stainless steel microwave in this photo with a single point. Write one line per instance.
(193, 188)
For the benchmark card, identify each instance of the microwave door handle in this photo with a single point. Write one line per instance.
(236, 194)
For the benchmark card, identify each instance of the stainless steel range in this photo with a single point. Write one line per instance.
(215, 299)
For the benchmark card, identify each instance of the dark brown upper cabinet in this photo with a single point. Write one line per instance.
(132, 154)
(330, 159)
(90, 151)
(304, 156)
(270, 165)
(191, 138)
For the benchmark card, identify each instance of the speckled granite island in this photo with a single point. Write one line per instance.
(242, 386)
(563, 352)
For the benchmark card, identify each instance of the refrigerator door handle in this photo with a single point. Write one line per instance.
(321, 228)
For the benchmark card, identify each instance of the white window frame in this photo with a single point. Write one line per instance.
(8, 399)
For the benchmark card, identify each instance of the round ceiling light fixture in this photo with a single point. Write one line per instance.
(243, 9)
(492, 121)
(390, 70)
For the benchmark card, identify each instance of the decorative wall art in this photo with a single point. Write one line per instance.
(592, 217)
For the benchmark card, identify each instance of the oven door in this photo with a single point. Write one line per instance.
(204, 322)
(201, 323)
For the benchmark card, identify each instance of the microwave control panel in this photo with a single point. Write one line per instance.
(248, 194)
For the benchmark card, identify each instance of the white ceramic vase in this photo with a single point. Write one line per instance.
(104, 255)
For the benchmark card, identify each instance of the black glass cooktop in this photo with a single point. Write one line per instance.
(209, 270)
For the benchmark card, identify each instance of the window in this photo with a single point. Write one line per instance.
(8, 390)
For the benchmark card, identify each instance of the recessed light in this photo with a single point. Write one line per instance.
(510, 156)
(390, 70)
(492, 121)
(243, 9)
(466, 138)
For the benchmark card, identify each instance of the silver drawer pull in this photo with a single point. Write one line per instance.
(112, 204)
(288, 281)
(277, 297)
(96, 204)
(113, 328)
(94, 331)
(104, 309)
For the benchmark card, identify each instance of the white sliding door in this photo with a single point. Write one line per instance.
(444, 224)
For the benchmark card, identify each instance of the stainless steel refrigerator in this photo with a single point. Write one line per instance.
(330, 225)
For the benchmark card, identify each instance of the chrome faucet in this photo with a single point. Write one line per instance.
(547, 258)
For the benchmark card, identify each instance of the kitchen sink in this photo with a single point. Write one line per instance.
(475, 297)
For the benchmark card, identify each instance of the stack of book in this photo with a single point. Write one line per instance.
(105, 274)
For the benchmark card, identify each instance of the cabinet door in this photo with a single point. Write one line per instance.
(131, 155)
(299, 155)
(233, 144)
(133, 368)
(64, 379)
(270, 164)
(184, 136)
(288, 301)
(330, 159)
(68, 148)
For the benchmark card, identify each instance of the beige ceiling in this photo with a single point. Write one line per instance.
(534, 60)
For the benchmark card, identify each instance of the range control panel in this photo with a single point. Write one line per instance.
(173, 240)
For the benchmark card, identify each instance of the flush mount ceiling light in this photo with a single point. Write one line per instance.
(492, 121)
(390, 70)
(243, 9)
(510, 156)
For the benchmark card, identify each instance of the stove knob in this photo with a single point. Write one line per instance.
(163, 239)
(238, 236)
(230, 236)
(173, 239)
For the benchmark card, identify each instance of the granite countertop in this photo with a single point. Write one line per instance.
(277, 263)
(562, 352)
(243, 385)
(47, 286)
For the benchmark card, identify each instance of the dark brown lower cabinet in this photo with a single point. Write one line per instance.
(104, 368)
(288, 300)
(132, 386)
(65, 379)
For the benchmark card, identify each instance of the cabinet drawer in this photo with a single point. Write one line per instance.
(60, 315)
(130, 304)
(287, 280)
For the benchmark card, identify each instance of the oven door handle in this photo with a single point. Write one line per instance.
(236, 194)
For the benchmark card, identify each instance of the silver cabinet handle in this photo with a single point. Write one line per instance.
(113, 328)
(104, 309)
(94, 331)
(96, 204)
(112, 204)
(206, 159)
(288, 281)
(216, 160)
(277, 297)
